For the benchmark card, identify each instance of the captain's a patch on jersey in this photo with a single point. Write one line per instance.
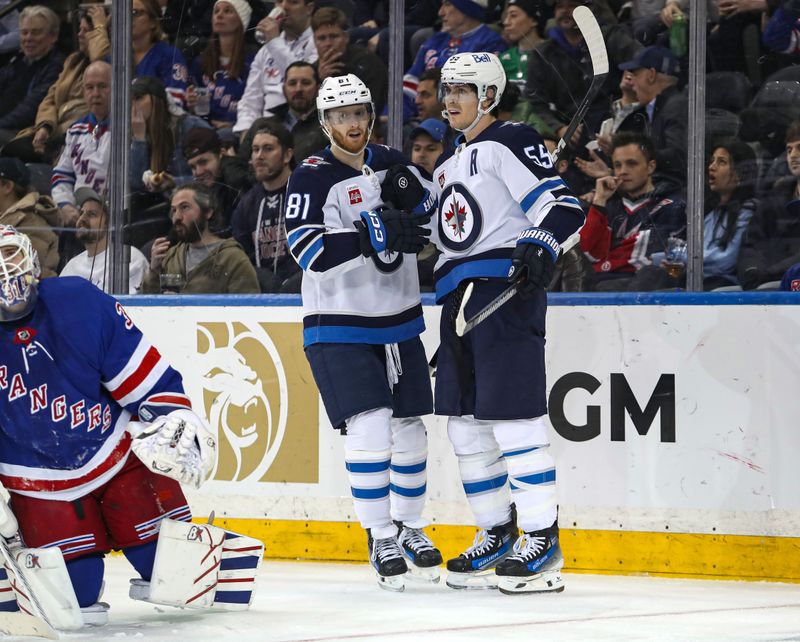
(354, 194)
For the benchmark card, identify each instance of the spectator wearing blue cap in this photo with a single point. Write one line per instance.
(427, 143)
(32, 214)
(663, 111)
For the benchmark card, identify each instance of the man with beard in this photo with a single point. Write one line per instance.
(201, 262)
(298, 114)
(363, 318)
(258, 223)
(92, 232)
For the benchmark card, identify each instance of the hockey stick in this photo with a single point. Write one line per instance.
(34, 622)
(597, 52)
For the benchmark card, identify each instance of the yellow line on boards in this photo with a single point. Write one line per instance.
(731, 557)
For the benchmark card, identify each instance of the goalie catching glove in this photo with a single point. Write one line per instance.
(401, 189)
(533, 260)
(177, 445)
(391, 231)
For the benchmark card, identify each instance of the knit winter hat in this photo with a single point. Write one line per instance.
(473, 8)
(241, 7)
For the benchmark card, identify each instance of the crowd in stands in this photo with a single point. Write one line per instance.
(223, 107)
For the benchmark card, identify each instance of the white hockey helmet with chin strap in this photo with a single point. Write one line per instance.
(343, 91)
(19, 274)
(480, 69)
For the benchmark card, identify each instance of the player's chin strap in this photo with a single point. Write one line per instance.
(342, 149)
(201, 566)
(481, 113)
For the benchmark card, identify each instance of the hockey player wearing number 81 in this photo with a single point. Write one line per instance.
(363, 318)
(504, 215)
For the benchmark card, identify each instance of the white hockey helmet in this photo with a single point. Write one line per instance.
(480, 69)
(19, 274)
(343, 91)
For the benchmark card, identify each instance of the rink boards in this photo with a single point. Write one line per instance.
(675, 425)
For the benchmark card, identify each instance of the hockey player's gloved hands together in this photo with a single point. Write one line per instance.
(402, 189)
(533, 260)
(391, 231)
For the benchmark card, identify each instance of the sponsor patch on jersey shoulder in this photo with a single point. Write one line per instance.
(460, 218)
(314, 161)
(794, 286)
(354, 194)
(441, 179)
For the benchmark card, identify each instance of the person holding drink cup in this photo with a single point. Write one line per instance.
(287, 37)
(220, 72)
(200, 262)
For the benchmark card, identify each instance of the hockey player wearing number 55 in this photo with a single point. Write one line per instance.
(363, 318)
(82, 388)
(504, 215)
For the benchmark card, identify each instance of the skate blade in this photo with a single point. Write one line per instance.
(480, 580)
(421, 574)
(393, 583)
(547, 582)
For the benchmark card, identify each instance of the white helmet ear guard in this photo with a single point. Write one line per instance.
(480, 69)
(343, 91)
(19, 274)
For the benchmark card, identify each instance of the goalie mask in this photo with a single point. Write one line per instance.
(19, 274)
(343, 91)
(481, 70)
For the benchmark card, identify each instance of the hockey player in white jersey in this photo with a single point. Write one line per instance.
(363, 318)
(503, 216)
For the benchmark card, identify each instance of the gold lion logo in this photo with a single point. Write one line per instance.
(248, 394)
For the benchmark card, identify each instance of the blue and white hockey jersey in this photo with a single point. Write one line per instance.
(84, 161)
(348, 298)
(490, 190)
(165, 62)
(72, 374)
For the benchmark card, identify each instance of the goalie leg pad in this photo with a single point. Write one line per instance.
(185, 568)
(238, 571)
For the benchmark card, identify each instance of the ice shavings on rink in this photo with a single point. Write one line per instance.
(320, 601)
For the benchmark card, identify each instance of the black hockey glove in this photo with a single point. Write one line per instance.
(533, 260)
(402, 189)
(391, 231)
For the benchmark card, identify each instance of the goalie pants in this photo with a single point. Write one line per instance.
(491, 383)
(125, 512)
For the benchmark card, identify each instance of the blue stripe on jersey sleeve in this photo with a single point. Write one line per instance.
(328, 251)
(547, 185)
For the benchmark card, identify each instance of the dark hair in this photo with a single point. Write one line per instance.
(644, 143)
(509, 99)
(153, 10)
(329, 17)
(284, 136)
(203, 196)
(793, 131)
(160, 137)
(434, 74)
(743, 162)
(302, 63)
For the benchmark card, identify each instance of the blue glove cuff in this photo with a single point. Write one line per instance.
(542, 237)
(426, 205)
(375, 229)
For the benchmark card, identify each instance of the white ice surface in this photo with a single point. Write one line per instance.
(308, 601)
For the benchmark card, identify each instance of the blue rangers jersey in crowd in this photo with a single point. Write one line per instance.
(72, 374)
(165, 62)
(490, 190)
(225, 91)
(348, 298)
(438, 48)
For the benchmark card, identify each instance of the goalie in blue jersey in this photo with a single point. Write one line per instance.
(96, 438)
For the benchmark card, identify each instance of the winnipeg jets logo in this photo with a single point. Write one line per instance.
(460, 218)
(455, 217)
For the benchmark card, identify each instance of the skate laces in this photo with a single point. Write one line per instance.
(386, 549)
(415, 539)
(527, 546)
(482, 543)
